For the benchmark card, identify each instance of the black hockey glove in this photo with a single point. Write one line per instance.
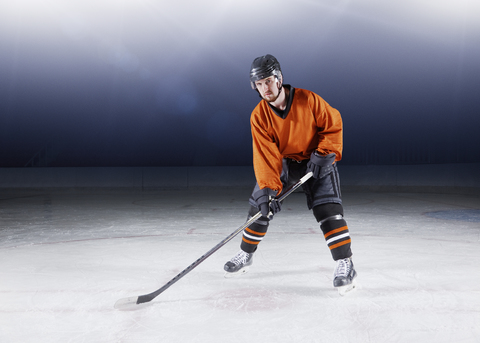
(266, 202)
(320, 165)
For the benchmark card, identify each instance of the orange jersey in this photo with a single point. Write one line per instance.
(310, 123)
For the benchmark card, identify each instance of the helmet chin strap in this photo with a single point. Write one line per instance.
(280, 81)
(280, 87)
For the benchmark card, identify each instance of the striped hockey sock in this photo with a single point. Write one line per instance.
(337, 237)
(253, 235)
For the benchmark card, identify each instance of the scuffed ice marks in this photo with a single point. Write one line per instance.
(250, 300)
(465, 215)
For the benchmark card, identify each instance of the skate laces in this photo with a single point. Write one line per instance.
(343, 267)
(240, 258)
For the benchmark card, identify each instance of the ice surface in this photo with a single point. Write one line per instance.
(67, 257)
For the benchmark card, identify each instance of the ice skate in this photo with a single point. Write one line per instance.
(344, 276)
(239, 264)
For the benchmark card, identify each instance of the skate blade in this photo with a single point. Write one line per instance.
(343, 290)
(237, 273)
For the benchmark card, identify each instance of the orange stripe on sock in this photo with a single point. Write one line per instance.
(343, 228)
(255, 232)
(250, 242)
(340, 244)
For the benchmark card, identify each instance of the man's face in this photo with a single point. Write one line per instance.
(268, 88)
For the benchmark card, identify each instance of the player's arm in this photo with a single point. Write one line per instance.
(267, 160)
(330, 142)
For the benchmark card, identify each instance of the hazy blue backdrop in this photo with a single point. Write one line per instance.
(165, 83)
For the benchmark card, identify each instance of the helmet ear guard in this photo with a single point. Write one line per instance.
(263, 67)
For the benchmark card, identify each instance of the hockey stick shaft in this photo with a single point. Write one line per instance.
(126, 302)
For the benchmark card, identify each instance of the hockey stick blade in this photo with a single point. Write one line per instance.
(131, 302)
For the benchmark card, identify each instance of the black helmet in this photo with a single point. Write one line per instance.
(263, 67)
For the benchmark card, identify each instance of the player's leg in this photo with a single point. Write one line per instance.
(337, 237)
(251, 237)
(325, 200)
(334, 228)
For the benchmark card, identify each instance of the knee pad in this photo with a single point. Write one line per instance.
(324, 211)
(262, 220)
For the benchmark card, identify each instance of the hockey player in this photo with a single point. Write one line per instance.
(295, 131)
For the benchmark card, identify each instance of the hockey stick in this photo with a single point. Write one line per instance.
(126, 303)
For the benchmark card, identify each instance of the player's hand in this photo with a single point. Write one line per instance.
(319, 165)
(266, 202)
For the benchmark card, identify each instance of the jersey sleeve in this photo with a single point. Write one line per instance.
(330, 128)
(267, 160)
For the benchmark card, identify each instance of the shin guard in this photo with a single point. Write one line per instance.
(335, 231)
(253, 235)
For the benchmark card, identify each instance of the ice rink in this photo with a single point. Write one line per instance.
(67, 257)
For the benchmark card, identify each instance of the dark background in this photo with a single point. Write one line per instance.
(157, 83)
